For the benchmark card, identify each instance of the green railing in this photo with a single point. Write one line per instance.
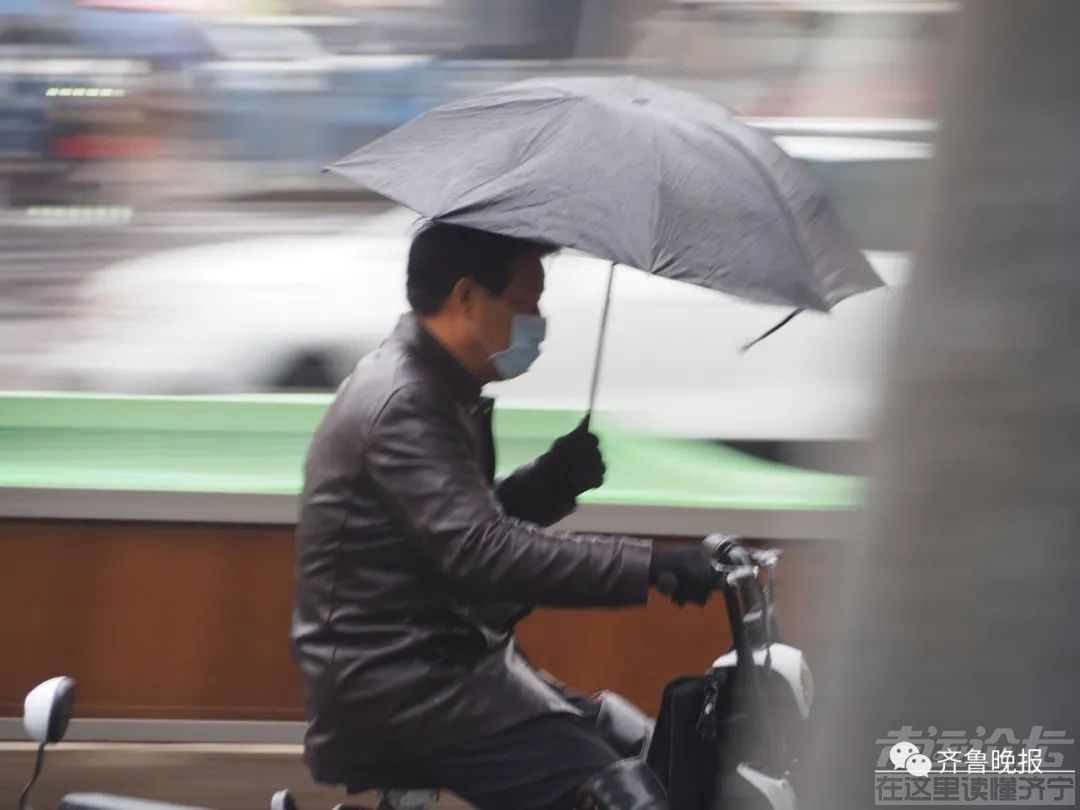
(256, 444)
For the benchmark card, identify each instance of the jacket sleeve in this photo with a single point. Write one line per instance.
(423, 468)
(532, 493)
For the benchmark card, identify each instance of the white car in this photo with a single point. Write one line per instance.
(296, 312)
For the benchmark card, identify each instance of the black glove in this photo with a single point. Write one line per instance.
(575, 460)
(683, 573)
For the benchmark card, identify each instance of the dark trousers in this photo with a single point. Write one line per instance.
(536, 765)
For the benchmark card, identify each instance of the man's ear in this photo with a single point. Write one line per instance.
(464, 294)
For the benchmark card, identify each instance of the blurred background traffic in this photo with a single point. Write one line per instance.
(165, 227)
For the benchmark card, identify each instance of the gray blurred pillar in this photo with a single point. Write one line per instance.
(967, 608)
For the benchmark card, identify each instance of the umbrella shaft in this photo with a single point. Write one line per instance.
(600, 342)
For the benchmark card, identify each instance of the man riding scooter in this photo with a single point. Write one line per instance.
(414, 564)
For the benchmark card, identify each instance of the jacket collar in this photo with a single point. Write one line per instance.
(462, 382)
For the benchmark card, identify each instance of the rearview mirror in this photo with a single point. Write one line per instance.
(48, 710)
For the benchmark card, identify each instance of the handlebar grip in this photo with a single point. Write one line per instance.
(726, 549)
(714, 543)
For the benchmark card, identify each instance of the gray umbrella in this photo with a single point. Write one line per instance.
(629, 171)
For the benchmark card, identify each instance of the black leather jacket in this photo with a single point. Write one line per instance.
(413, 566)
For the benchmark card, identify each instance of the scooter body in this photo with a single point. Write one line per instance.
(761, 667)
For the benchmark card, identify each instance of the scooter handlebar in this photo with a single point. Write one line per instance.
(727, 550)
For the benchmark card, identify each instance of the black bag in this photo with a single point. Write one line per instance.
(684, 752)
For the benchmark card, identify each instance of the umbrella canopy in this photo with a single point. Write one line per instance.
(629, 171)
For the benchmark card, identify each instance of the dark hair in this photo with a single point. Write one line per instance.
(443, 254)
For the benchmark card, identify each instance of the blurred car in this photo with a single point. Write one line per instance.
(295, 313)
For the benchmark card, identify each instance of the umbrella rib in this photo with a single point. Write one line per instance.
(746, 347)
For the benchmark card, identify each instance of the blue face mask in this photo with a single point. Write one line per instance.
(527, 332)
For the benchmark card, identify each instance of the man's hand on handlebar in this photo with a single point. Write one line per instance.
(683, 573)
